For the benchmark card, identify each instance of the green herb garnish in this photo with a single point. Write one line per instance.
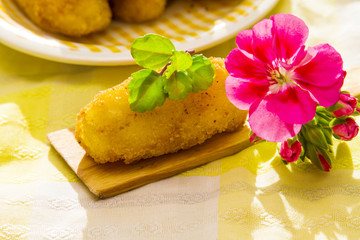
(182, 72)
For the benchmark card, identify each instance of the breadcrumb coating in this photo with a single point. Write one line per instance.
(136, 11)
(68, 17)
(110, 131)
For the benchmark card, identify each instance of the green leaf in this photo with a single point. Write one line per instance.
(180, 60)
(178, 85)
(152, 51)
(146, 90)
(201, 72)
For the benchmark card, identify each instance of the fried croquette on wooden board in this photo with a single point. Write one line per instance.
(69, 17)
(110, 131)
(136, 11)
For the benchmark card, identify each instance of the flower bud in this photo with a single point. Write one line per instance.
(328, 133)
(321, 158)
(347, 130)
(316, 136)
(348, 104)
(290, 153)
(325, 165)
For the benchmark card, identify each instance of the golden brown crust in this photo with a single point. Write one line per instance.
(68, 17)
(110, 131)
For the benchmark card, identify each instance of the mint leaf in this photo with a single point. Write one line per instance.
(146, 90)
(201, 72)
(152, 51)
(180, 60)
(178, 85)
(182, 72)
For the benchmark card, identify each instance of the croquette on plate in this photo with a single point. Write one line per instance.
(136, 11)
(69, 17)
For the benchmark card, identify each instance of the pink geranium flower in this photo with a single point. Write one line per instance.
(278, 80)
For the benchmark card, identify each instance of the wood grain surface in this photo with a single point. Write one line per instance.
(106, 180)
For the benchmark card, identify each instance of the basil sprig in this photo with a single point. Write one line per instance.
(181, 73)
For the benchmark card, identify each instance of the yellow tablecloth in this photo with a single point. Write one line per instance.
(250, 195)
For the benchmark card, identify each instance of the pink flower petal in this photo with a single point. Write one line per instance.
(326, 96)
(290, 34)
(244, 40)
(268, 125)
(263, 41)
(323, 69)
(322, 75)
(293, 105)
(298, 57)
(242, 93)
(241, 64)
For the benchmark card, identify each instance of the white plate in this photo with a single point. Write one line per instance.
(189, 24)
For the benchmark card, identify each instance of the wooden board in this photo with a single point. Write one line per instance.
(106, 180)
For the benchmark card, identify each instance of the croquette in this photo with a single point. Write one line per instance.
(136, 11)
(69, 17)
(110, 131)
